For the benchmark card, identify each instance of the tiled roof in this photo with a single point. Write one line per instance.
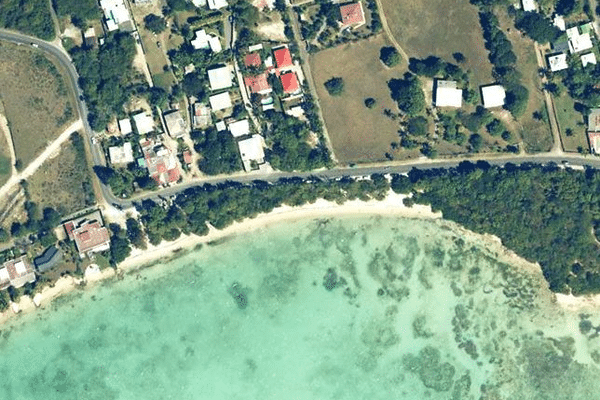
(252, 60)
(257, 84)
(352, 14)
(283, 57)
(289, 82)
(90, 236)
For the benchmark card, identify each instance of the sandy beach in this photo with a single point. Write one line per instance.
(392, 205)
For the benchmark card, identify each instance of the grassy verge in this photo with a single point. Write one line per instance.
(572, 133)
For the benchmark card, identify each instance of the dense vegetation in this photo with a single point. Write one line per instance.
(79, 11)
(334, 86)
(106, 77)
(408, 93)
(545, 214)
(389, 56)
(32, 17)
(537, 27)
(504, 60)
(290, 151)
(155, 23)
(219, 151)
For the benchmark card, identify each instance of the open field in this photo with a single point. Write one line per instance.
(572, 133)
(37, 100)
(440, 28)
(536, 134)
(63, 182)
(357, 132)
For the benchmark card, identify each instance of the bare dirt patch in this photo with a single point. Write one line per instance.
(440, 28)
(37, 100)
(357, 132)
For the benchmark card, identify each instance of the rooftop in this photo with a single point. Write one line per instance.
(529, 5)
(447, 95)
(594, 138)
(252, 60)
(580, 42)
(589, 58)
(220, 78)
(220, 101)
(19, 271)
(144, 123)
(352, 14)
(121, 154)
(559, 22)
(594, 120)
(201, 40)
(239, 128)
(91, 238)
(252, 150)
(175, 123)
(216, 4)
(493, 96)
(289, 81)
(115, 13)
(160, 161)
(125, 126)
(558, 62)
(257, 84)
(48, 259)
(283, 57)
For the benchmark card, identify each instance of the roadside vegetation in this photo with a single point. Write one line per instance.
(77, 11)
(32, 17)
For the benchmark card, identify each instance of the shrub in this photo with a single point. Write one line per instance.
(154, 23)
(335, 86)
(370, 102)
(389, 56)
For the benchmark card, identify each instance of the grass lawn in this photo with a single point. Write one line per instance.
(63, 182)
(37, 100)
(536, 134)
(5, 167)
(440, 28)
(358, 134)
(569, 119)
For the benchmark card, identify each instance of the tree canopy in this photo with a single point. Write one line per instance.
(32, 17)
(537, 27)
(408, 93)
(80, 11)
(219, 151)
(155, 23)
(389, 56)
(334, 86)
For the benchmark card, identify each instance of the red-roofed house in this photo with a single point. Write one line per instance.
(352, 15)
(257, 84)
(91, 238)
(187, 157)
(252, 60)
(283, 58)
(16, 273)
(289, 81)
(160, 161)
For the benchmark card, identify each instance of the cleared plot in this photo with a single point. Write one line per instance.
(357, 133)
(37, 100)
(63, 182)
(572, 130)
(440, 28)
(536, 133)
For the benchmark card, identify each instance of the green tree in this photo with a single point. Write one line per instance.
(80, 11)
(418, 126)
(476, 142)
(219, 151)
(370, 102)
(335, 86)
(408, 94)
(537, 27)
(135, 234)
(517, 97)
(389, 56)
(155, 23)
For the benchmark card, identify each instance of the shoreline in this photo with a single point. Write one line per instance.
(392, 205)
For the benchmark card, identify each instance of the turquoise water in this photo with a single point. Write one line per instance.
(351, 308)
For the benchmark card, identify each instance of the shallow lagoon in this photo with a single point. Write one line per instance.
(344, 308)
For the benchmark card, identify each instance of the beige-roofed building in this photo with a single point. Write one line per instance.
(201, 115)
(447, 94)
(493, 96)
(121, 154)
(252, 151)
(176, 125)
(16, 273)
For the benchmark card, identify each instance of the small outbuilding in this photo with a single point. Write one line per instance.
(447, 94)
(493, 96)
(239, 128)
(125, 126)
(589, 58)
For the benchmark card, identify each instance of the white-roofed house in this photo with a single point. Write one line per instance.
(144, 123)
(529, 5)
(220, 78)
(121, 154)
(589, 58)
(201, 40)
(216, 4)
(239, 128)
(252, 151)
(125, 126)
(215, 44)
(579, 43)
(220, 101)
(115, 13)
(493, 96)
(447, 94)
(558, 62)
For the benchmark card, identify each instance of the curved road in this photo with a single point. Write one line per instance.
(363, 170)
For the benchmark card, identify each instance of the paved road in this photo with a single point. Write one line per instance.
(364, 170)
